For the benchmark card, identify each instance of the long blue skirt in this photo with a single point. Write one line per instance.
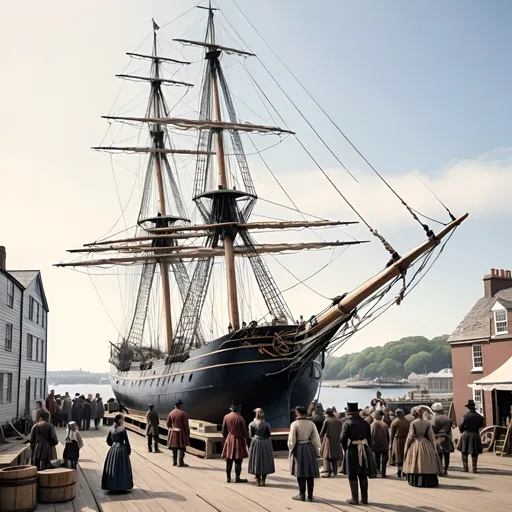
(117, 470)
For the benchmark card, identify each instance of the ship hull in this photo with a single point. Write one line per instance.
(240, 368)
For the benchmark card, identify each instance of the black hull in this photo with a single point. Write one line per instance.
(220, 373)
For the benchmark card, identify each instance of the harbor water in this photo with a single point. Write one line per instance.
(329, 397)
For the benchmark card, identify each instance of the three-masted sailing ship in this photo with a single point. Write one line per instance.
(275, 362)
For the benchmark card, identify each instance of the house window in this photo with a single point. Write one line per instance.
(479, 401)
(38, 308)
(30, 342)
(43, 352)
(500, 322)
(10, 293)
(35, 387)
(9, 387)
(477, 358)
(1, 388)
(8, 337)
(43, 317)
(37, 349)
(31, 308)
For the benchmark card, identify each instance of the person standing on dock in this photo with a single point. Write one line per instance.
(179, 434)
(86, 412)
(318, 416)
(43, 440)
(117, 470)
(397, 439)
(331, 450)
(234, 431)
(304, 446)
(380, 442)
(442, 426)
(66, 407)
(470, 442)
(76, 410)
(72, 445)
(358, 463)
(422, 463)
(100, 411)
(152, 428)
(261, 453)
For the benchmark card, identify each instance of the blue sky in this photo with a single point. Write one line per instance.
(422, 88)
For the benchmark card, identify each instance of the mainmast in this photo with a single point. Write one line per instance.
(234, 315)
(158, 142)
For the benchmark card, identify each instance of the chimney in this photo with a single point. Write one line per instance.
(3, 258)
(496, 281)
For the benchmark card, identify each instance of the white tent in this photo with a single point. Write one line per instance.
(500, 379)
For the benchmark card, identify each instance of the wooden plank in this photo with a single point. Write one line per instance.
(159, 486)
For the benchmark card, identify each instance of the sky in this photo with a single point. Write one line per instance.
(422, 88)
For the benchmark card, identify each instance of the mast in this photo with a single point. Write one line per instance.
(234, 315)
(158, 135)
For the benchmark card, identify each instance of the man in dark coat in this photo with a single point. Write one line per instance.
(234, 431)
(43, 440)
(318, 417)
(152, 428)
(358, 463)
(380, 442)
(470, 442)
(51, 405)
(331, 450)
(86, 412)
(77, 410)
(179, 434)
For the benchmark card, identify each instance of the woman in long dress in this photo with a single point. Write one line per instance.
(117, 470)
(261, 454)
(422, 463)
(304, 446)
(397, 438)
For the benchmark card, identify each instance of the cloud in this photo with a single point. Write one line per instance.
(479, 186)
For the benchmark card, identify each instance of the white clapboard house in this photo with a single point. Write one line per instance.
(23, 340)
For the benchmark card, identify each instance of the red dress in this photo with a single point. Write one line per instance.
(234, 431)
(179, 431)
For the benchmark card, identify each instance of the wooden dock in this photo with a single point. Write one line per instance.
(160, 487)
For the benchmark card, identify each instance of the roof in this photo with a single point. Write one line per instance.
(445, 373)
(507, 304)
(475, 325)
(500, 379)
(25, 277)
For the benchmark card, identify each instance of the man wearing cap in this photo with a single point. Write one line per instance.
(234, 432)
(470, 442)
(43, 440)
(358, 463)
(152, 428)
(442, 427)
(179, 434)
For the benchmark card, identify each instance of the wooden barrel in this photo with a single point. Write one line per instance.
(18, 489)
(57, 485)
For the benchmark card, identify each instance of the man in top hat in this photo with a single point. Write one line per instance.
(234, 431)
(442, 426)
(152, 428)
(470, 443)
(179, 434)
(358, 463)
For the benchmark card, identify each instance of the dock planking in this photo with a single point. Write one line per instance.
(159, 486)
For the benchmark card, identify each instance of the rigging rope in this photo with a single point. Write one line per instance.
(425, 227)
(387, 245)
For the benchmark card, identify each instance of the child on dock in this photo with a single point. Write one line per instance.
(73, 446)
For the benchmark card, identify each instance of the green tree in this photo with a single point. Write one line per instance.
(371, 371)
(391, 368)
(418, 362)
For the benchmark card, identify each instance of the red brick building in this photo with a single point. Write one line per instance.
(480, 345)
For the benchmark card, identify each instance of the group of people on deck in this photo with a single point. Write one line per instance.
(360, 442)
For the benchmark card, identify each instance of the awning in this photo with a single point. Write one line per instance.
(500, 379)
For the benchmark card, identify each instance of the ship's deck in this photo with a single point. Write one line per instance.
(161, 487)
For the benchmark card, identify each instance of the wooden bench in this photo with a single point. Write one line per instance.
(14, 453)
